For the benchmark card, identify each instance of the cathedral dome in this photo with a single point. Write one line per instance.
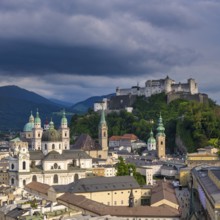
(28, 126)
(51, 135)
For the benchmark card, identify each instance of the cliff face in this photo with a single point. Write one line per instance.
(180, 145)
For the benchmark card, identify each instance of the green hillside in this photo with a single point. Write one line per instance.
(191, 123)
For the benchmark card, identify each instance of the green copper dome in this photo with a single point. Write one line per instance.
(28, 126)
(160, 127)
(51, 135)
(64, 119)
(151, 139)
(37, 120)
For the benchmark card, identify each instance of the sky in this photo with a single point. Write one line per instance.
(74, 49)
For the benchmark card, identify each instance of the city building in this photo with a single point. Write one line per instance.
(206, 182)
(46, 157)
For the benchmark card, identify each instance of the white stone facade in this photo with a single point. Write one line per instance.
(166, 85)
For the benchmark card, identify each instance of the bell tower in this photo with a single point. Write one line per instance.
(65, 132)
(103, 132)
(37, 133)
(160, 138)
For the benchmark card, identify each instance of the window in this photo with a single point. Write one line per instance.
(161, 142)
(55, 178)
(45, 146)
(55, 166)
(12, 181)
(34, 178)
(24, 182)
(76, 177)
(122, 202)
(53, 146)
(24, 165)
(59, 146)
(12, 166)
(38, 134)
(115, 202)
(65, 134)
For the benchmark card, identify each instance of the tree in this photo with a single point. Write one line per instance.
(124, 169)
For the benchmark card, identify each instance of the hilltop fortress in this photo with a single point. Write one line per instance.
(166, 85)
(125, 98)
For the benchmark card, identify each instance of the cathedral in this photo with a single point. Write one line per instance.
(44, 155)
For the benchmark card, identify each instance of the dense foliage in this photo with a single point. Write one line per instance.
(194, 123)
(125, 169)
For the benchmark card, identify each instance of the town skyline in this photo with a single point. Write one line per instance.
(72, 51)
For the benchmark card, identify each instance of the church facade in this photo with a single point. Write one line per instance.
(44, 155)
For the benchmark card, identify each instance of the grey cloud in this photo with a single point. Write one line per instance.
(23, 58)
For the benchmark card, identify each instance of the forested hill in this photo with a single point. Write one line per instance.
(189, 123)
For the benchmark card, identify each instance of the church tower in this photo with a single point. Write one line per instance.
(103, 133)
(37, 133)
(65, 132)
(161, 145)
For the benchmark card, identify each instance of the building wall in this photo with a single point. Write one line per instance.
(116, 197)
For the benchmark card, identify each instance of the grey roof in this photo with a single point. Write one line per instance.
(36, 155)
(210, 187)
(166, 167)
(75, 154)
(86, 143)
(97, 184)
(54, 156)
(16, 212)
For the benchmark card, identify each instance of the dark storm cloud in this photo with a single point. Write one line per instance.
(67, 46)
(90, 37)
(23, 57)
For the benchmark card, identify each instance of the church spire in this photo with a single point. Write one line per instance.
(160, 127)
(102, 121)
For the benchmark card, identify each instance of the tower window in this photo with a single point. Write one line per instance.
(24, 165)
(45, 146)
(65, 134)
(38, 134)
(53, 146)
(12, 181)
(104, 134)
(24, 182)
(12, 166)
(161, 142)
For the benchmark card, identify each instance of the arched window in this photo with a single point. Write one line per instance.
(24, 182)
(34, 178)
(12, 181)
(161, 142)
(104, 134)
(65, 134)
(55, 178)
(45, 146)
(53, 146)
(76, 177)
(38, 134)
(24, 165)
(12, 166)
(59, 146)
